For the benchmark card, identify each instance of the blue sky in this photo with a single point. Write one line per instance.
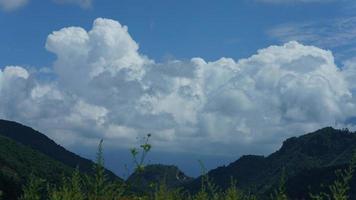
(164, 29)
(210, 79)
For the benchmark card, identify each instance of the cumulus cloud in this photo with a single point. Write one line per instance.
(105, 88)
(10, 5)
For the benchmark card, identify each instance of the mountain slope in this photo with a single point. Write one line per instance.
(38, 141)
(323, 150)
(19, 162)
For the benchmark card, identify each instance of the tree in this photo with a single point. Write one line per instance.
(33, 189)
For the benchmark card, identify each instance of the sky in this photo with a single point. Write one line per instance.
(211, 80)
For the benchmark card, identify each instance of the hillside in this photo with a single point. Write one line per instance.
(315, 155)
(39, 142)
(19, 162)
(24, 151)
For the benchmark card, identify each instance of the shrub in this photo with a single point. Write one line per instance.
(34, 189)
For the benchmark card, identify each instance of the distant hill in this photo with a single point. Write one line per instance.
(148, 179)
(308, 161)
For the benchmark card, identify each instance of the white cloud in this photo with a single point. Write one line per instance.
(105, 88)
(10, 5)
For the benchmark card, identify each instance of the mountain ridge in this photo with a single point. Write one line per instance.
(319, 150)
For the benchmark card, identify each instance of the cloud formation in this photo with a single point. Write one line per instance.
(105, 88)
(10, 5)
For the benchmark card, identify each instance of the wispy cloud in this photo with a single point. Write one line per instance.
(331, 34)
(81, 3)
(10, 5)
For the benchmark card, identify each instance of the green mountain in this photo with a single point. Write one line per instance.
(152, 175)
(306, 161)
(41, 143)
(25, 152)
(19, 162)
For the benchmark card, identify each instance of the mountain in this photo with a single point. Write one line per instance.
(307, 161)
(152, 175)
(40, 142)
(24, 151)
(19, 162)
